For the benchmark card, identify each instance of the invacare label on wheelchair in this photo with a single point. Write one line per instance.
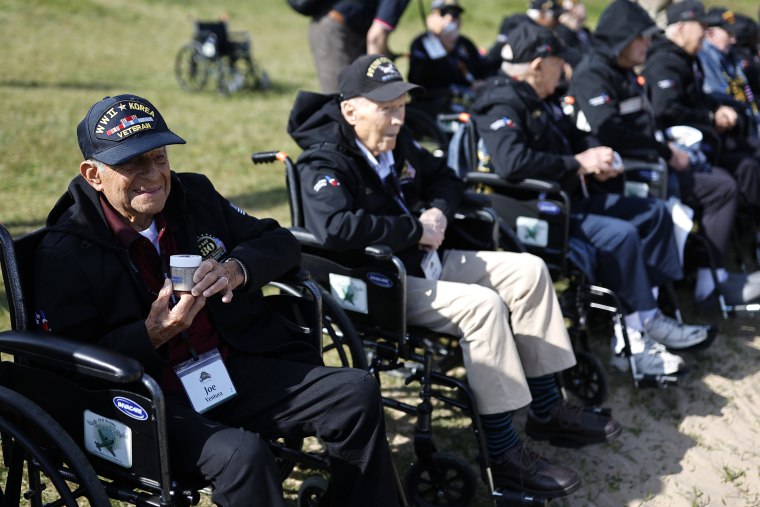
(108, 439)
(351, 293)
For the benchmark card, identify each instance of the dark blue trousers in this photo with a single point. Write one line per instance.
(636, 248)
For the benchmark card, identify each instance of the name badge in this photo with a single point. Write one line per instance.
(206, 380)
(431, 265)
(632, 105)
(433, 47)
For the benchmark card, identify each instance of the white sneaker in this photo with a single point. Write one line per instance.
(675, 335)
(650, 357)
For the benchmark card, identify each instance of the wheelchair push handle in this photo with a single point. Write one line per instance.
(267, 157)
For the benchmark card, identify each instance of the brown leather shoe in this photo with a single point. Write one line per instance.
(521, 469)
(573, 426)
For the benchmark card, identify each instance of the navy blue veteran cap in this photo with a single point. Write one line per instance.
(117, 129)
(528, 41)
(689, 10)
(374, 77)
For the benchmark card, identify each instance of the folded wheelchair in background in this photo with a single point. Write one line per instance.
(364, 295)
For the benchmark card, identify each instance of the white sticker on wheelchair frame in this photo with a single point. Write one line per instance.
(108, 439)
(351, 293)
(533, 231)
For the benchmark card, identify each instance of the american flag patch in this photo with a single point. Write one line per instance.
(502, 122)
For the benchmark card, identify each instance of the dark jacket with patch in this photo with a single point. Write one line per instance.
(674, 86)
(88, 290)
(527, 137)
(345, 204)
(609, 99)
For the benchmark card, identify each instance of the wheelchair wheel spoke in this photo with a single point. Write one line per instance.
(44, 465)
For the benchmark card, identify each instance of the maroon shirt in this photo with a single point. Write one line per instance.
(153, 269)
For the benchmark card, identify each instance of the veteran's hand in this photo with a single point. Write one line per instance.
(165, 321)
(213, 277)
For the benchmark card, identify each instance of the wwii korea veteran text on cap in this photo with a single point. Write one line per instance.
(117, 129)
(374, 77)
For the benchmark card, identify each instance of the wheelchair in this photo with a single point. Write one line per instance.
(218, 55)
(365, 292)
(534, 216)
(80, 423)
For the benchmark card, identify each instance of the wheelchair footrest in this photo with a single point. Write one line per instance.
(657, 381)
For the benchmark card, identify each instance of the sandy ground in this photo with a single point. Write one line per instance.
(697, 444)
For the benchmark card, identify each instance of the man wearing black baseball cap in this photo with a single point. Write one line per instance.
(108, 244)
(365, 181)
(527, 136)
(610, 101)
(447, 63)
(544, 13)
(675, 84)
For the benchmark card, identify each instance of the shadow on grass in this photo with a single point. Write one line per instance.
(64, 85)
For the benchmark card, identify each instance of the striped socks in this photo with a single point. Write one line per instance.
(545, 393)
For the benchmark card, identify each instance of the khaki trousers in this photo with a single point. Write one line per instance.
(504, 308)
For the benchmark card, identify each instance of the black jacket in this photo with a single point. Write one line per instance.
(608, 99)
(99, 298)
(345, 203)
(461, 66)
(527, 137)
(674, 86)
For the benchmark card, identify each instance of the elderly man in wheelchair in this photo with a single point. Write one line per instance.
(527, 136)
(364, 181)
(107, 246)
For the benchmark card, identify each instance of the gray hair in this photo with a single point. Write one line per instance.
(516, 70)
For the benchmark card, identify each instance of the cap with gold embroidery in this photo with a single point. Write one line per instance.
(117, 129)
(374, 77)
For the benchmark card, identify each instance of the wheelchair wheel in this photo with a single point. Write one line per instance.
(341, 342)
(587, 380)
(235, 74)
(450, 482)
(191, 68)
(44, 466)
(311, 491)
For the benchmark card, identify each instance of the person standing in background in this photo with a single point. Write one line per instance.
(346, 29)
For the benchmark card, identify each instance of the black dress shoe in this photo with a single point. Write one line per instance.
(521, 469)
(573, 426)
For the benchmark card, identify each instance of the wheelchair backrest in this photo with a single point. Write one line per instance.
(536, 212)
(215, 32)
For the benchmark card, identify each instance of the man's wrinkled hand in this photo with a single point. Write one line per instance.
(166, 321)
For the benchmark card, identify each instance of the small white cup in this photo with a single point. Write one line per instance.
(182, 268)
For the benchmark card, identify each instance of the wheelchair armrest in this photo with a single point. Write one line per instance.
(71, 355)
(304, 237)
(379, 252)
(475, 200)
(496, 181)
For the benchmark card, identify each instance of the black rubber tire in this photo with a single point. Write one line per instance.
(235, 75)
(312, 489)
(587, 380)
(455, 486)
(36, 454)
(191, 68)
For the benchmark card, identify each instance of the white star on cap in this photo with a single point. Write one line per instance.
(122, 106)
